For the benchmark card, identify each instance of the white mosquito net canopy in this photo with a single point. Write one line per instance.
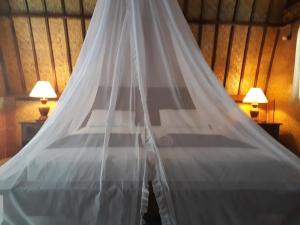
(143, 106)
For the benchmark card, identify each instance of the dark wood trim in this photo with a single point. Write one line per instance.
(231, 36)
(261, 49)
(236, 22)
(197, 21)
(186, 7)
(272, 60)
(32, 43)
(249, 31)
(5, 74)
(16, 45)
(262, 46)
(46, 14)
(83, 27)
(294, 20)
(216, 36)
(66, 32)
(49, 39)
(200, 24)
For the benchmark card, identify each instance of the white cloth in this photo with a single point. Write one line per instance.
(140, 56)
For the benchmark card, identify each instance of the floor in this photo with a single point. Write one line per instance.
(154, 223)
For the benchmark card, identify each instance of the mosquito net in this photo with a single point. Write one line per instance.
(143, 106)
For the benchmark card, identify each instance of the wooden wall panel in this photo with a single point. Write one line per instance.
(262, 10)
(227, 10)
(76, 40)
(194, 9)
(17, 5)
(236, 60)
(266, 57)
(222, 48)
(54, 6)
(4, 76)
(276, 13)
(60, 52)
(4, 7)
(205, 16)
(72, 6)
(243, 11)
(35, 5)
(251, 59)
(26, 51)
(87, 23)
(89, 6)
(3, 90)
(10, 56)
(211, 8)
(208, 42)
(42, 50)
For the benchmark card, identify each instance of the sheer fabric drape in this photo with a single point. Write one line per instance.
(142, 105)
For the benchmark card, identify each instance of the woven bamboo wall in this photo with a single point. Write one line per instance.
(41, 39)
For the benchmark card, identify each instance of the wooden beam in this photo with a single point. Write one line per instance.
(216, 36)
(50, 47)
(5, 74)
(253, 9)
(66, 31)
(83, 27)
(261, 50)
(186, 8)
(231, 35)
(291, 4)
(15, 40)
(272, 60)
(46, 14)
(197, 21)
(200, 24)
(32, 43)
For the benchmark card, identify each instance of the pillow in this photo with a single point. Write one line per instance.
(120, 119)
(183, 119)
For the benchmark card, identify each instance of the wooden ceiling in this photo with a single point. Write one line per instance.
(290, 3)
(41, 39)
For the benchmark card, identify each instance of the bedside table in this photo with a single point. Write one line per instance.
(271, 128)
(28, 130)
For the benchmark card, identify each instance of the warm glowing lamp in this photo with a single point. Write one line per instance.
(43, 90)
(255, 96)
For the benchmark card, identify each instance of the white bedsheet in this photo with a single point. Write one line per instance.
(237, 167)
(54, 165)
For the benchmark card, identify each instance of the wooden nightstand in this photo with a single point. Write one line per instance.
(28, 130)
(272, 128)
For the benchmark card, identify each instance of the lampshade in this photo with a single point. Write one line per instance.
(255, 95)
(43, 89)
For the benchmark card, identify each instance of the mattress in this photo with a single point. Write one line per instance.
(212, 171)
(197, 185)
(208, 159)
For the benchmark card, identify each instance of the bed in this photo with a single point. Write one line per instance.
(186, 154)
